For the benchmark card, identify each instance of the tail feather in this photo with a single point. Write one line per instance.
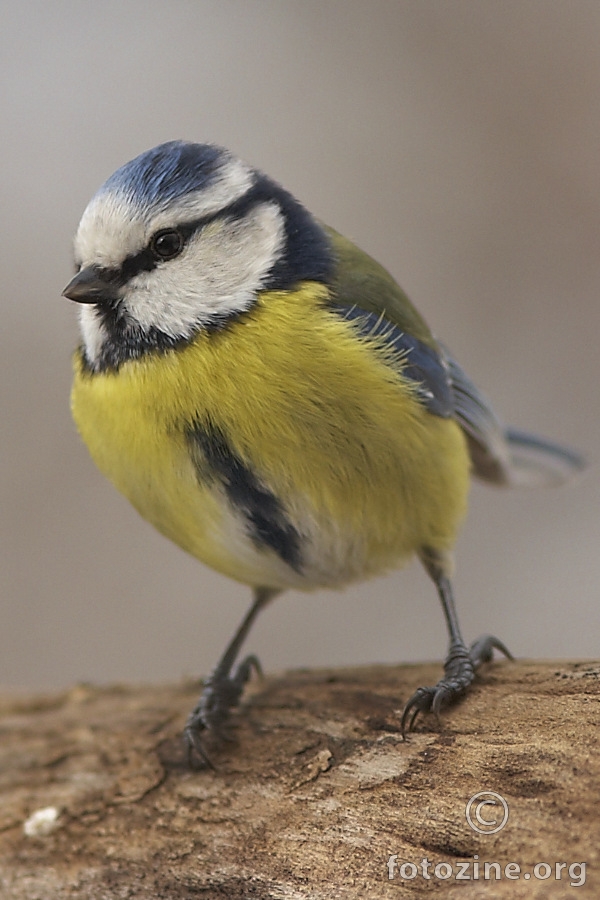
(534, 461)
(500, 455)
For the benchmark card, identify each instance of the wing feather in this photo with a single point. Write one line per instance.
(364, 292)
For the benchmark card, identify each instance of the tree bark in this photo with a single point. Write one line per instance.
(319, 797)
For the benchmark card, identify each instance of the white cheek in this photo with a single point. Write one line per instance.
(218, 274)
(93, 332)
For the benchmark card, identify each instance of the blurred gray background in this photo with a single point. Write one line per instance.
(458, 142)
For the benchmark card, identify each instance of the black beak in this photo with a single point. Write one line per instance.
(92, 285)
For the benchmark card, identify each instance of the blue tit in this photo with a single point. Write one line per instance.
(266, 395)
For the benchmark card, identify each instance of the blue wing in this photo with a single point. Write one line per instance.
(422, 363)
(499, 455)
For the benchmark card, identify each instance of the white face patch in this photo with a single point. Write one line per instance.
(218, 274)
(111, 229)
(222, 265)
(93, 332)
(114, 226)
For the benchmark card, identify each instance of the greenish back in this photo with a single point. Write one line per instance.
(361, 281)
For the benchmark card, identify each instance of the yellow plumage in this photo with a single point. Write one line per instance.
(305, 435)
(324, 419)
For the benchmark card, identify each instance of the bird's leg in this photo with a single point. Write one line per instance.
(224, 686)
(461, 663)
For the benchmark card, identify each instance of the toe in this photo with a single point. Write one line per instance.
(420, 702)
(244, 671)
(482, 650)
(196, 754)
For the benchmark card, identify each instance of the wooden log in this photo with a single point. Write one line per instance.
(319, 798)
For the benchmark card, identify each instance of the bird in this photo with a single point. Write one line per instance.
(267, 396)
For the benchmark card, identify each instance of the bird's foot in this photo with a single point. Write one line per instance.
(459, 673)
(212, 715)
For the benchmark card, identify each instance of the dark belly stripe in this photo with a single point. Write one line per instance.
(263, 512)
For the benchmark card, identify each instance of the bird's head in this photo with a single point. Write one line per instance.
(180, 239)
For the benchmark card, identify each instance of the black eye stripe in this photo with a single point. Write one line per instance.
(307, 254)
(140, 262)
(145, 261)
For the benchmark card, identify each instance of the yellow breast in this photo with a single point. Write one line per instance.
(365, 474)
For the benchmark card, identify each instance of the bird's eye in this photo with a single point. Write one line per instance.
(166, 244)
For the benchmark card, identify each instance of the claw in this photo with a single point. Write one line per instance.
(459, 673)
(191, 737)
(222, 693)
(419, 702)
(412, 721)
